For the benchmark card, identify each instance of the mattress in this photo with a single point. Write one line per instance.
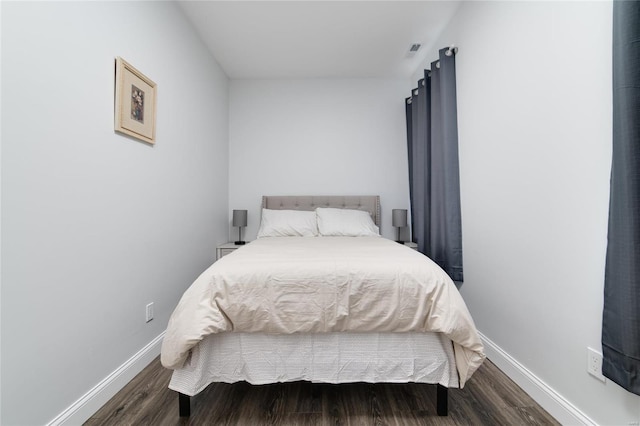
(326, 358)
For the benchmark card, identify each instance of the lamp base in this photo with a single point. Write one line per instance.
(240, 243)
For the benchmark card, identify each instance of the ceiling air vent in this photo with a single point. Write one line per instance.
(413, 49)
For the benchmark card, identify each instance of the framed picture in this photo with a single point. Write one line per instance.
(135, 103)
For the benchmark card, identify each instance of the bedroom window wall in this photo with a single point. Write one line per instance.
(434, 179)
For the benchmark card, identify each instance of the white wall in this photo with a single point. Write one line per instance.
(317, 137)
(96, 225)
(534, 101)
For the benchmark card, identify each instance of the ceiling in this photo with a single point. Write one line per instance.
(318, 39)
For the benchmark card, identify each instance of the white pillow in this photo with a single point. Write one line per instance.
(346, 223)
(288, 223)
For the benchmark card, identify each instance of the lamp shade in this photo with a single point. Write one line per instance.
(239, 218)
(399, 218)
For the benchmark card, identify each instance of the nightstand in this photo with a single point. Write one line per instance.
(225, 249)
(411, 244)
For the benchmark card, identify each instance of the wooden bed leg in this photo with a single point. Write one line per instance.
(184, 402)
(442, 401)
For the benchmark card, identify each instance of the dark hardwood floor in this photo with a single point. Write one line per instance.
(489, 398)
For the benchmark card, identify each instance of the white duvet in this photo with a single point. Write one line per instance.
(285, 285)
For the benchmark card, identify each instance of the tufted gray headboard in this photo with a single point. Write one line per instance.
(368, 203)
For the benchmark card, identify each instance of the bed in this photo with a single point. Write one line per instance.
(321, 297)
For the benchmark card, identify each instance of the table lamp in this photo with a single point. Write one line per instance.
(399, 220)
(239, 220)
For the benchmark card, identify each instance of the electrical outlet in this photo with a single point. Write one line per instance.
(594, 364)
(149, 312)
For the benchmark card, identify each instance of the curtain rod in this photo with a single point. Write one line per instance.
(451, 50)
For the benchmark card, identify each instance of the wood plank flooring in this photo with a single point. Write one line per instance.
(489, 398)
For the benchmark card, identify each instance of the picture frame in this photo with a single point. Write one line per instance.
(135, 103)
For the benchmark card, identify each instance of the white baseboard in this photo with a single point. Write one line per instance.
(555, 404)
(81, 410)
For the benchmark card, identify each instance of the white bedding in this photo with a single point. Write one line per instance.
(291, 285)
(317, 357)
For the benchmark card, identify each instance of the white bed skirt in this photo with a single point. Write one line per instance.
(324, 358)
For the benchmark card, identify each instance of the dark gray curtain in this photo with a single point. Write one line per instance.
(621, 314)
(434, 179)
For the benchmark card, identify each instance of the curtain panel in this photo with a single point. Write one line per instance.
(621, 313)
(434, 178)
